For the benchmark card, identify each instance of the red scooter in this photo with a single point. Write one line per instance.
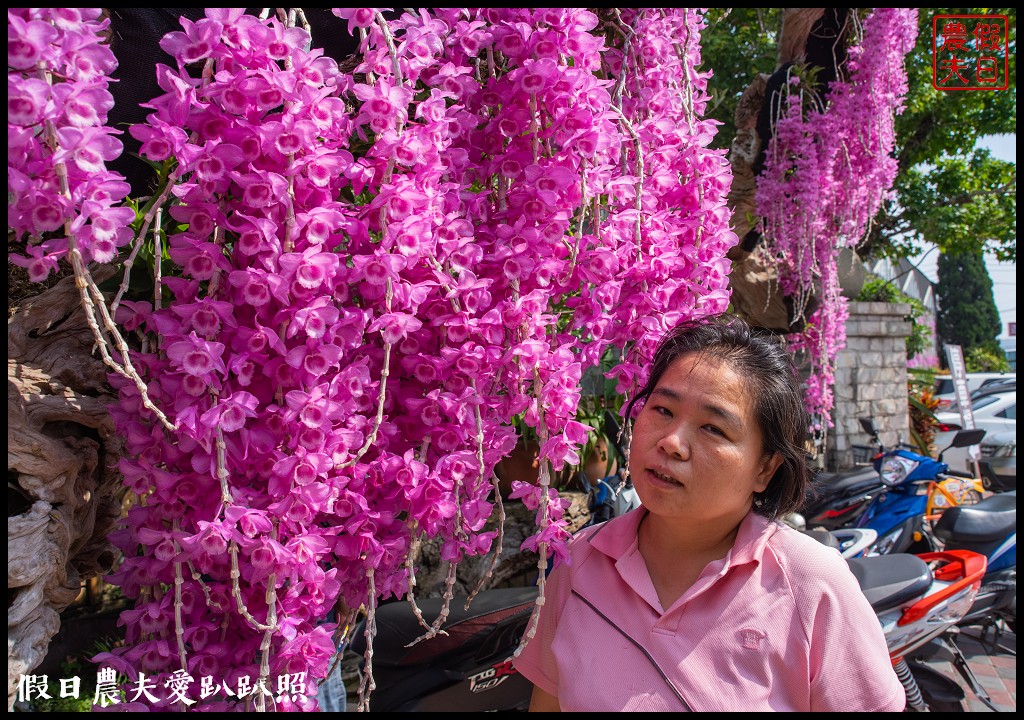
(919, 600)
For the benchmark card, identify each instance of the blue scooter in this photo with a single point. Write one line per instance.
(897, 512)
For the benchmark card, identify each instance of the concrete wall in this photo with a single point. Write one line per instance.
(871, 380)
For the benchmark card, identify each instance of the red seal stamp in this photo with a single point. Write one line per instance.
(970, 52)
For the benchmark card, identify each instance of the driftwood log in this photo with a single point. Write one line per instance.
(61, 483)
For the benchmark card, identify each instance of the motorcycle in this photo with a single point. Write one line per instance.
(988, 528)
(836, 500)
(920, 599)
(895, 496)
(917, 489)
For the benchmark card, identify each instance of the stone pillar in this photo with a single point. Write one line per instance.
(871, 380)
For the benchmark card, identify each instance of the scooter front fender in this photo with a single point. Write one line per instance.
(891, 510)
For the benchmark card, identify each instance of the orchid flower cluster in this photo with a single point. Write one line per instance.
(659, 253)
(827, 172)
(58, 144)
(371, 275)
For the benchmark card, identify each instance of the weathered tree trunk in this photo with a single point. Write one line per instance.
(808, 35)
(61, 483)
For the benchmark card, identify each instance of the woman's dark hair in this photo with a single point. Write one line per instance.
(760, 359)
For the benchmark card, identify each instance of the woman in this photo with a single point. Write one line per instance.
(699, 599)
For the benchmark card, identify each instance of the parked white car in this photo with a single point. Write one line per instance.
(945, 393)
(995, 413)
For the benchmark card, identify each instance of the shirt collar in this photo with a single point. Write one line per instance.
(618, 536)
(752, 539)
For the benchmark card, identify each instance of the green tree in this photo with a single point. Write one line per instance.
(948, 192)
(738, 44)
(985, 359)
(968, 316)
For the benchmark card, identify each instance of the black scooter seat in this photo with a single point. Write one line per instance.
(845, 484)
(397, 625)
(832, 490)
(889, 581)
(992, 519)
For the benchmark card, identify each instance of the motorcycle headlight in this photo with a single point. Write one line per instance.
(895, 470)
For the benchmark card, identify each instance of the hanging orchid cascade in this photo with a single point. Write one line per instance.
(57, 141)
(828, 170)
(369, 275)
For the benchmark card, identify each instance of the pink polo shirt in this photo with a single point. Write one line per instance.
(778, 624)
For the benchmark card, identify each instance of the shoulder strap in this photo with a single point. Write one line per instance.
(585, 536)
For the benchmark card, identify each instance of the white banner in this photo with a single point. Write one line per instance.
(958, 371)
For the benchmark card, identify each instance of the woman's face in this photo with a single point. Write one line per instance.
(696, 453)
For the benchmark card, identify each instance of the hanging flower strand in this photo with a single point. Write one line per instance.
(58, 147)
(827, 171)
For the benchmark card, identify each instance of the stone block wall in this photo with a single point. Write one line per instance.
(870, 380)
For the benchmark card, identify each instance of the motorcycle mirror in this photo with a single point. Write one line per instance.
(966, 438)
(868, 425)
